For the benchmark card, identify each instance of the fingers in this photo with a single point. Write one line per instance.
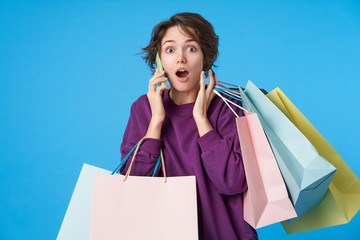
(157, 78)
(211, 81)
(212, 95)
(158, 74)
(162, 88)
(209, 90)
(202, 81)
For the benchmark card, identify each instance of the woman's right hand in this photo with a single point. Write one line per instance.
(157, 108)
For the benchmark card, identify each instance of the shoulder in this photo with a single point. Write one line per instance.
(141, 108)
(222, 117)
(141, 103)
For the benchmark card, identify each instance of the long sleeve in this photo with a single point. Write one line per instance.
(221, 155)
(146, 158)
(214, 159)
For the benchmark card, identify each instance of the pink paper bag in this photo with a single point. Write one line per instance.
(266, 201)
(132, 207)
(143, 208)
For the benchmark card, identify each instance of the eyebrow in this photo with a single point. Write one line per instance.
(189, 40)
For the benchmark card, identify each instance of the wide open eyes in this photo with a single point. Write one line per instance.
(190, 49)
(169, 50)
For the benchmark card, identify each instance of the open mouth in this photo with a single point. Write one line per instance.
(182, 73)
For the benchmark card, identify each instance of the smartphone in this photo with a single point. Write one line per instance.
(159, 65)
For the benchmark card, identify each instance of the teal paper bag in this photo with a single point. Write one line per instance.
(307, 175)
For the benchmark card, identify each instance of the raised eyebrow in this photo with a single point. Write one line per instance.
(168, 41)
(189, 40)
(192, 40)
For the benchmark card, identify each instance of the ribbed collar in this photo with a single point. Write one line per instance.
(173, 107)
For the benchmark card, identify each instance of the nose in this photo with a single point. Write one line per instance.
(181, 59)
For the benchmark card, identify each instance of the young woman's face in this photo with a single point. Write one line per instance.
(182, 59)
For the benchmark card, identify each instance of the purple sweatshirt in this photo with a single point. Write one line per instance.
(215, 159)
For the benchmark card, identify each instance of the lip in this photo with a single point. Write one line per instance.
(181, 67)
(182, 79)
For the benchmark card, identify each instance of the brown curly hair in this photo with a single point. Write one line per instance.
(204, 34)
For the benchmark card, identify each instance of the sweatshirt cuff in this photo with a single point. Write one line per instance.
(151, 145)
(208, 140)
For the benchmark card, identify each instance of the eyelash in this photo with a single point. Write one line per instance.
(169, 48)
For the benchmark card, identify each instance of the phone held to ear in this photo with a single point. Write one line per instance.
(159, 65)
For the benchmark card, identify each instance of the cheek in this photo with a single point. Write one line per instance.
(199, 63)
(200, 60)
(166, 61)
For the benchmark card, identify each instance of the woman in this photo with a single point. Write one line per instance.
(196, 130)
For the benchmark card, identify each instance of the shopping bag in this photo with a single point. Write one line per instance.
(307, 174)
(266, 200)
(342, 200)
(76, 223)
(137, 207)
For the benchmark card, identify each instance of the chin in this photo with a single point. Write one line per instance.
(184, 86)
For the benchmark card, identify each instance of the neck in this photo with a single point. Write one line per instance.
(180, 97)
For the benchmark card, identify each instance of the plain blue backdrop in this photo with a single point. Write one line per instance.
(70, 70)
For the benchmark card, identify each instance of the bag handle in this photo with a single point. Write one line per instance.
(231, 93)
(227, 101)
(122, 162)
(133, 158)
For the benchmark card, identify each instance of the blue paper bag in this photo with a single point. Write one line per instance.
(76, 223)
(307, 174)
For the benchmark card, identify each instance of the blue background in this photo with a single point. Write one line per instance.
(69, 71)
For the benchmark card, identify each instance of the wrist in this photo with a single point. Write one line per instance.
(203, 126)
(154, 129)
(200, 119)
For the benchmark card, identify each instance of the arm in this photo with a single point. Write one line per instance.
(202, 103)
(149, 149)
(146, 118)
(220, 148)
(221, 158)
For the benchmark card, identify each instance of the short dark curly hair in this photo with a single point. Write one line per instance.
(204, 34)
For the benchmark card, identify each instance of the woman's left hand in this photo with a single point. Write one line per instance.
(202, 103)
